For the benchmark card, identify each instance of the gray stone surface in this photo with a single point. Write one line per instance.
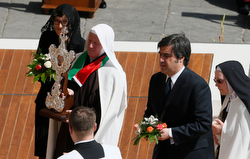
(138, 20)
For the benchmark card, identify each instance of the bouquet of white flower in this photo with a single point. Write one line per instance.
(40, 67)
(149, 128)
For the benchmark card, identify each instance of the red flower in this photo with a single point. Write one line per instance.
(150, 129)
(135, 126)
(38, 67)
(159, 127)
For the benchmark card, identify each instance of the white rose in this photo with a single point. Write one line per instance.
(47, 56)
(47, 64)
(152, 120)
(138, 130)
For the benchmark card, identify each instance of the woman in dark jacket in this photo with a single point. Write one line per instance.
(63, 15)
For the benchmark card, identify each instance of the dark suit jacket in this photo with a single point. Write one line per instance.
(188, 111)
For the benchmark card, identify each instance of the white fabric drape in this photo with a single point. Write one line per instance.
(235, 136)
(106, 37)
(113, 90)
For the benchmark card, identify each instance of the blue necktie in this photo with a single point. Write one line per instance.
(167, 88)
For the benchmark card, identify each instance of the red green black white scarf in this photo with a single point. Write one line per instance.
(79, 73)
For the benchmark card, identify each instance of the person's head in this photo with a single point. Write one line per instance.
(101, 39)
(82, 123)
(237, 80)
(221, 82)
(94, 46)
(229, 77)
(175, 51)
(63, 15)
(59, 23)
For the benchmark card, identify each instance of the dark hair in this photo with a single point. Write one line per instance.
(75, 41)
(73, 20)
(181, 46)
(82, 119)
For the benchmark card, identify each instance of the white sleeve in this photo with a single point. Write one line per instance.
(111, 152)
(73, 154)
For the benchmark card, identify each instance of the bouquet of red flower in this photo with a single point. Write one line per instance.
(41, 67)
(149, 128)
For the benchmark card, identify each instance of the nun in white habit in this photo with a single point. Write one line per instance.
(98, 81)
(233, 128)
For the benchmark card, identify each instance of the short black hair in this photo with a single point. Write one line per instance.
(180, 46)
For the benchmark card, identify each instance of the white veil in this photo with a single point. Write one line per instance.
(106, 37)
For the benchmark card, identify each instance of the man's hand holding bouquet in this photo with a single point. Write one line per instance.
(149, 128)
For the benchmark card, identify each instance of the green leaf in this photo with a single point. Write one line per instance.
(37, 77)
(30, 65)
(151, 138)
(54, 76)
(39, 51)
(43, 77)
(156, 139)
(30, 74)
(144, 127)
(137, 140)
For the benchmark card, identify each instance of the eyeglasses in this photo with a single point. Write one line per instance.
(220, 81)
(57, 22)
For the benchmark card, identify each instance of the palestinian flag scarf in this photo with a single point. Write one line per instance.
(79, 73)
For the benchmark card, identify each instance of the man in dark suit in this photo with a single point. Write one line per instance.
(182, 100)
(82, 124)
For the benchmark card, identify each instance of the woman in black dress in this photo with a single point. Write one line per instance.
(63, 15)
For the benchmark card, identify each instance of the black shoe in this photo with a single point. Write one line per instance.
(103, 4)
(243, 9)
